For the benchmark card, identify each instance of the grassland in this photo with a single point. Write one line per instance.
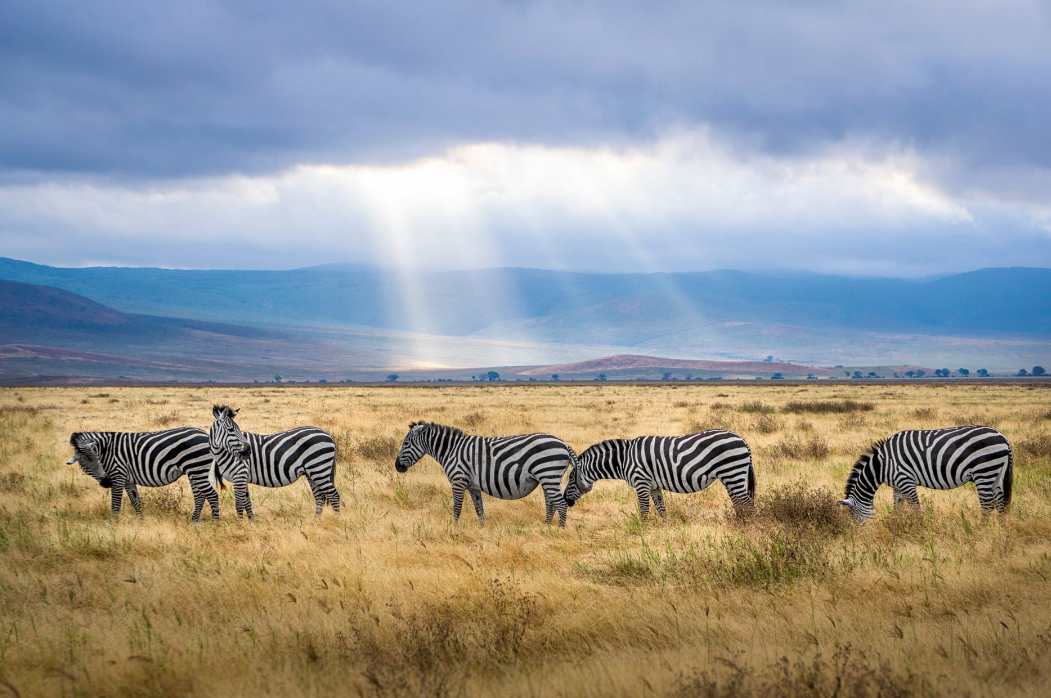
(392, 598)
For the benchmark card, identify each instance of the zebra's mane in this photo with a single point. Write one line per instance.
(855, 472)
(456, 431)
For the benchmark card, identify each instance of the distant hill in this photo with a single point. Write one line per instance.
(637, 365)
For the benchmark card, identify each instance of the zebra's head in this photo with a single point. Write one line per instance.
(579, 483)
(88, 452)
(862, 484)
(226, 438)
(413, 448)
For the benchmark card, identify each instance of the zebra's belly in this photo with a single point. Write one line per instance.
(273, 479)
(159, 479)
(510, 490)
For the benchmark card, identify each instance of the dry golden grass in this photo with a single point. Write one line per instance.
(392, 598)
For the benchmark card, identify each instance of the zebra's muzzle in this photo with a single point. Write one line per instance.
(105, 483)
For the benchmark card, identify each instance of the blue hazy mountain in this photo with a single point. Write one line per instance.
(617, 309)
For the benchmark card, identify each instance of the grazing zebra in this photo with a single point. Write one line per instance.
(684, 464)
(121, 461)
(940, 459)
(273, 460)
(507, 467)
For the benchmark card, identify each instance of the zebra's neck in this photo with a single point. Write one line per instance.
(604, 461)
(443, 444)
(866, 478)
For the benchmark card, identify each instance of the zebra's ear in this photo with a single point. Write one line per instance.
(216, 411)
(233, 413)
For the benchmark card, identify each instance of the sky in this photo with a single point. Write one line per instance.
(873, 138)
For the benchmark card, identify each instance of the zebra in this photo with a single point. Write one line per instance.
(507, 467)
(121, 461)
(272, 460)
(940, 459)
(684, 464)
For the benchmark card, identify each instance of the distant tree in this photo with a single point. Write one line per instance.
(811, 377)
(493, 376)
(873, 374)
(1039, 371)
(984, 373)
(910, 374)
(277, 379)
(392, 377)
(532, 379)
(846, 373)
(554, 376)
(838, 366)
(1022, 372)
(857, 374)
(323, 380)
(920, 373)
(777, 377)
(769, 358)
(963, 371)
(666, 376)
(689, 376)
(601, 377)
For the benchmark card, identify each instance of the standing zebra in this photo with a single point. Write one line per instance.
(684, 464)
(273, 460)
(940, 459)
(507, 467)
(121, 461)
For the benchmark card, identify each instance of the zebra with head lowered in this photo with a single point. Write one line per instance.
(507, 467)
(121, 461)
(940, 459)
(651, 464)
(273, 460)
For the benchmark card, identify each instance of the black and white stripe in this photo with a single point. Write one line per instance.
(507, 467)
(940, 459)
(121, 461)
(651, 464)
(273, 460)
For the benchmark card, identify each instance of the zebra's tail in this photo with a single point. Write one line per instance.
(1008, 478)
(216, 476)
(751, 480)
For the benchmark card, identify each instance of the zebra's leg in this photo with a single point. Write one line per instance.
(116, 495)
(319, 498)
(554, 501)
(990, 495)
(899, 498)
(908, 493)
(643, 491)
(133, 496)
(213, 501)
(332, 495)
(458, 488)
(242, 503)
(198, 503)
(476, 497)
(658, 502)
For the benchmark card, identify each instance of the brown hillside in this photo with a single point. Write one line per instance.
(622, 362)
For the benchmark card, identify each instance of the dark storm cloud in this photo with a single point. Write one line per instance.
(182, 89)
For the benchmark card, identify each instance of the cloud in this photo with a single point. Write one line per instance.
(880, 138)
(686, 201)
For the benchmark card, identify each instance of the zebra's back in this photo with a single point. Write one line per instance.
(277, 460)
(946, 458)
(690, 463)
(161, 457)
(510, 467)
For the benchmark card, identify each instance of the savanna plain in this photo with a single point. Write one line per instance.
(391, 597)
